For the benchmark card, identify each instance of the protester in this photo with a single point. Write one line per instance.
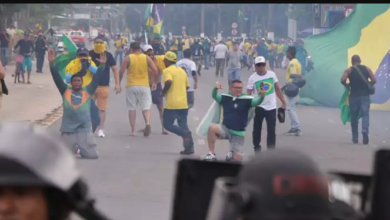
(197, 54)
(267, 80)
(359, 97)
(294, 68)
(26, 48)
(103, 90)
(4, 42)
(206, 47)
(157, 47)
(156, 93)
(76, 126)
(176, 106)
(220, 57)
(119, 44)
(236, 105)
(138, 85)
(234, 58)
(40, 51)
(189, 67)
(180, 48)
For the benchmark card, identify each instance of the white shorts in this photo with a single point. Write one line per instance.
(138, 95)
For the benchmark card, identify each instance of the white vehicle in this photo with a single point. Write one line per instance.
(60, 47)
(77, 37)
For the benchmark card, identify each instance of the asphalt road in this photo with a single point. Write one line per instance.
(133, 178)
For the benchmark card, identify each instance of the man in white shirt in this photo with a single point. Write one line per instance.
(267, 109)
(220, 56)
(189, 67)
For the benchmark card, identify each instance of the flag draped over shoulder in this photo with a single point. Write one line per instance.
(214, 115)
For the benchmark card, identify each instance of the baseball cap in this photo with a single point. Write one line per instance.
(147, 47)
(260, 59)
(82, 50)
(171, 56)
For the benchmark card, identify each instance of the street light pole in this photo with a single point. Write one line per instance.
(316, 19)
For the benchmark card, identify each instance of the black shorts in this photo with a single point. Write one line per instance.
(157, 99)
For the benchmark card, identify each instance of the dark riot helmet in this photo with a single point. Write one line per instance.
(31, 156)
(278, 185)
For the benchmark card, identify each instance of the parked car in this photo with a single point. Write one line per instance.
(77, 37)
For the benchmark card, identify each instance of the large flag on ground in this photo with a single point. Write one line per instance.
(365, 32)
(70, 51)
(158, 12)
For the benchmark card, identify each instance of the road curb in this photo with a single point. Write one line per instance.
(51, 117)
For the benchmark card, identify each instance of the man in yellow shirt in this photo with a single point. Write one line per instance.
(293, 70)
(119, 49)
(138, 85)
(176, 107)
(229, 44)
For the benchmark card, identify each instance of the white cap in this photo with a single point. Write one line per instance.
(263, 38)
(260, 59)
(147, 47)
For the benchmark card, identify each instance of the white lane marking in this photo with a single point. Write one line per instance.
(195, 118)
(201, 142)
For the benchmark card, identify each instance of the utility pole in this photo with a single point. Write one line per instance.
(271, 34)
(202, 21)
(316, 19)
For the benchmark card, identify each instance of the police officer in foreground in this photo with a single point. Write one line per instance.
(38, 177)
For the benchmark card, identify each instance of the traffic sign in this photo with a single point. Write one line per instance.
(234, 25)
(183, 28)
(234, 32)
(348, 12)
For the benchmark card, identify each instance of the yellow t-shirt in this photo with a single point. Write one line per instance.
(186, 44)
(137, 73)
(118, 44)
(229, 45)
(176, 97)
(174, 46)
(160, 63)
(294, 67)
(280, 48)
(248, 47)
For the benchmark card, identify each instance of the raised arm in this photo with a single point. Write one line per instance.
(54, 72)
(215, 94)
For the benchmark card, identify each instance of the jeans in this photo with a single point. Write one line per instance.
(233, 74)
(270, 118)
(4, 55)
(359, 105)
(169, 117)
(206, 61)
(291, 105)
(219, 66)
(40, 60)
(120, 54)
(180, 55)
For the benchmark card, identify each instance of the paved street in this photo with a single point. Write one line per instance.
(134, 175)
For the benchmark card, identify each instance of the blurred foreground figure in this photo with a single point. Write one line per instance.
(38, 177)
(277, 185)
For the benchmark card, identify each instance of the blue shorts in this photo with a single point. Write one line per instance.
(27, 63)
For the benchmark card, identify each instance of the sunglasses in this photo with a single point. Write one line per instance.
(260, 65)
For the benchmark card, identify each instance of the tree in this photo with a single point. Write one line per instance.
(302, 13)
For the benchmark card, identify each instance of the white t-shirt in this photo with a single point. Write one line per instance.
(220, 51)
(269, 79)
(189, 66)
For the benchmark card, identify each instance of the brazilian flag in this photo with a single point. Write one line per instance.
(365, 32)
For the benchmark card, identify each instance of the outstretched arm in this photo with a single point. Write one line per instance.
(216, 96)
(57, 78)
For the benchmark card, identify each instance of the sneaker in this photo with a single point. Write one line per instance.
(365, 138)
(298, 132)
(187, 151)
(291, 131)
(229, 156)
(210, 157)
(101, 133)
